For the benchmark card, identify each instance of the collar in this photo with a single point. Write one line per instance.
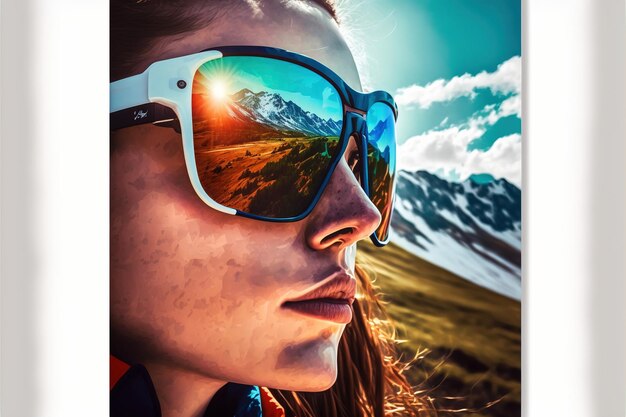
(133, 395)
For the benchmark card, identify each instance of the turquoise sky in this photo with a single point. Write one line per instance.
(415, 42)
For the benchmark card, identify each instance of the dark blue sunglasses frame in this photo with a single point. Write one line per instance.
(356, 105)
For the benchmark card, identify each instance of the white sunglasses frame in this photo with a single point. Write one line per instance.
(168, 83)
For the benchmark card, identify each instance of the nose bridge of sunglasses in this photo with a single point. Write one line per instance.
(356, 126)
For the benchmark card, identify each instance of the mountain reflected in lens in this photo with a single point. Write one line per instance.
(381, 157)
(265, 134)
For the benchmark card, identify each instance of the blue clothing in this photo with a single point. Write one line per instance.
(134, 396)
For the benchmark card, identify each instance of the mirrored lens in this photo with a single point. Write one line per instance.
(381, 158)
(266, 133)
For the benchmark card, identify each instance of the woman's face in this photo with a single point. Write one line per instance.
(202, 291)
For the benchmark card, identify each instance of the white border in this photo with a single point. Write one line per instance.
(54, 246)
(54, 208)
(574, 317)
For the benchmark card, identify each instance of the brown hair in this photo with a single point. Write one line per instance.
(136, 25)
(370, 381)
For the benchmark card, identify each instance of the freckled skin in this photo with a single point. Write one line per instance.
(195, 293)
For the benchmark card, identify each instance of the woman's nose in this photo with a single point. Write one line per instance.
(344, 214)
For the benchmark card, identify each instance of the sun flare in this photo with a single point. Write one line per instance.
(218, 90)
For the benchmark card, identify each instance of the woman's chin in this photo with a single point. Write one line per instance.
(308, 366)
(309, 381)
(322, 385)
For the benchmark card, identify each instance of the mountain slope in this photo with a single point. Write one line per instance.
(473, 230)
(472, 333)
(273, 110)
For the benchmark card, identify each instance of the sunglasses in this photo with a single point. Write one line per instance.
(263, 129)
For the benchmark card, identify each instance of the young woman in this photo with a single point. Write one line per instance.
(239, 189)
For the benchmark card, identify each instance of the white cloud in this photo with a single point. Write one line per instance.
(491, 113)
(510, 106)
(502, 160)
(506, 79)
(446, 150)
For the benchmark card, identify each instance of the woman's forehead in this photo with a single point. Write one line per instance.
(300, 26)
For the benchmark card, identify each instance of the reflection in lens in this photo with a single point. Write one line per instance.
(381, 159)
(266, 132)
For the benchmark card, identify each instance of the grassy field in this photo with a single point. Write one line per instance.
(274, 175)
(472, 333)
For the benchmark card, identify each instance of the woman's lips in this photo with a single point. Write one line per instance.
(331, 301)
(337, 310)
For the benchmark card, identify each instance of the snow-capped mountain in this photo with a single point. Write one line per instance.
(471, 229)
(271, 109)
(377, 132)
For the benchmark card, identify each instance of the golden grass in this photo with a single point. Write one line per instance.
(472, 333)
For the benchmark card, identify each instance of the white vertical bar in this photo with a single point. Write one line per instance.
(574, 208)
(54, 244)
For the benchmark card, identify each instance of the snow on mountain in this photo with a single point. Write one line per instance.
(471, 229)
(273, 110)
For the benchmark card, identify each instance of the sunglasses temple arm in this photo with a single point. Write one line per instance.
(129, 92)
(130, 104)
(154, 113)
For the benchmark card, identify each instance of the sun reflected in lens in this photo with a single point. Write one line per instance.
(218, 90)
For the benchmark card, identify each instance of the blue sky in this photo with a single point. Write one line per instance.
(454, 67)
